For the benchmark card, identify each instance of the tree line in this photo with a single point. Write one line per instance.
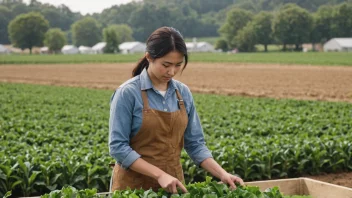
(194, 18)
(291, 25)
(32, 29)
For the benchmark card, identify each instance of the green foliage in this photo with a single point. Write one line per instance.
(221, 44)
(262, 29)
(41, 127)
(324, 23)
(8, 194)
(246, 38)
(28, 30)
(5, 17)
(194, 18)
(112, 40)
(55, 39)
(124, 32)
(235, 21)
(293, 25)
(86, 32)
(206, 189)
(343, 20)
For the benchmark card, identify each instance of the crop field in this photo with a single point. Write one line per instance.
(56, 136)
(295, 118)
(342, 59)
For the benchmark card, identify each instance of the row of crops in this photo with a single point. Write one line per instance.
(52, 137)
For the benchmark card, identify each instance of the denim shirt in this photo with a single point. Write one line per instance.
(126, 118)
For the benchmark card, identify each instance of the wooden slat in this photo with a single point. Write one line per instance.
(306, 186)
(320, 189)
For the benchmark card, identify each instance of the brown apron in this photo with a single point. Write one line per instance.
(159, 142)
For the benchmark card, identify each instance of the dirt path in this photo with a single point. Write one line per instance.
(275, 81)
(342, 179)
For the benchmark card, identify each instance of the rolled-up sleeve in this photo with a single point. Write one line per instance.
(120, 122)
(194, 138)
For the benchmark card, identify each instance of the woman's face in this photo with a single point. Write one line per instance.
(165, 68)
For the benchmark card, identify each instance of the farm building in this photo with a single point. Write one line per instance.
(85, 50)
(44, 50)
(338, 45)
(69, 49)
(4, 50)
(99, 48)
(199, 47)
(132, 47)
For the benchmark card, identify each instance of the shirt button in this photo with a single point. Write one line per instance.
(165, 109)
(163, 102)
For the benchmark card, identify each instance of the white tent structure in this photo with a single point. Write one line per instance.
(69, 49)
(132, 47)
(338, 45)
(85, 50)
(99, 48)
(199, 47)
(4, 50)
(44, 50)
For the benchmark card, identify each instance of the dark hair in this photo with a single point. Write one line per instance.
(161, 42)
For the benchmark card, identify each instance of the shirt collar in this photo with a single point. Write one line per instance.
(146, 83)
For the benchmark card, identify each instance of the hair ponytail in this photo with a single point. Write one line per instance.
(143, 63)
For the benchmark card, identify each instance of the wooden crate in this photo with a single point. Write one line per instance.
(297, 186)
(305, 186)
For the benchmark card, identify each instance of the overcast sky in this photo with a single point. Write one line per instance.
(85, 6)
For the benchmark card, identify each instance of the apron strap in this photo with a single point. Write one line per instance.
(145, 100)
(180, 100)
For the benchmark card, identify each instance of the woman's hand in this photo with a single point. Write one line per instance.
(170, 183)
(230, 179)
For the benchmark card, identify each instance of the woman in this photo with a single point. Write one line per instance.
(152, 117)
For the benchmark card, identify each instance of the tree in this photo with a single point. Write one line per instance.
(221, 44)
(28, 30)
(315, 34)
(112, 40)
(86, 32)
(55, 39)
(118, 14)
(5, 17)
(246, 38)
(235, 21)
(262, 26)
(293, 25)
(343, 20)
(53, 16)
(324, 23)
(124, 32)
(149, 17)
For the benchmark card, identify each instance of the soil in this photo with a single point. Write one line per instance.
(341, 179)
(254, 80)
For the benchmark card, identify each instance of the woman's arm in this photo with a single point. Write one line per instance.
(165, 180)
(217, 171)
